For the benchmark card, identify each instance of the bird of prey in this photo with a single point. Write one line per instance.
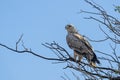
(80, 46)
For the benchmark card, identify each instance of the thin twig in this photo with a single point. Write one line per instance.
(18, 41)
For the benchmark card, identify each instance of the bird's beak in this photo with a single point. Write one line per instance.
(66, 27)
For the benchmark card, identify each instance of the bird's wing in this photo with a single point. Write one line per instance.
(83, 41)
(74, 43)
(78, 43)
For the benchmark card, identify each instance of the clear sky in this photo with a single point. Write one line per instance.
(42, 21)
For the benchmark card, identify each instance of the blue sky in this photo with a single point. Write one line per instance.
(42, 21)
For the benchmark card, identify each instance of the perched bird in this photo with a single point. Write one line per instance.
(80, 46)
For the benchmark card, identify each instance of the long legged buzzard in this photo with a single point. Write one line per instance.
(80, 46)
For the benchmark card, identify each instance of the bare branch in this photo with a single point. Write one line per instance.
(18, 41)
(94, 72)
(96, 40)
(33, 53)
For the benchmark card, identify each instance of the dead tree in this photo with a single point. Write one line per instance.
(111, 71)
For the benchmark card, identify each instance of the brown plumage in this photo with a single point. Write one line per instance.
(80, 46)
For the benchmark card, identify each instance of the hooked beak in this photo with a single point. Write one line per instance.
(66, 27)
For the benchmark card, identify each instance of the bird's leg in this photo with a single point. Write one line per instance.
(75, 56)
(80, 57)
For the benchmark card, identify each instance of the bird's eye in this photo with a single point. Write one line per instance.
(69, 26)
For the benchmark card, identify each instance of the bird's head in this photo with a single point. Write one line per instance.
(70, 28)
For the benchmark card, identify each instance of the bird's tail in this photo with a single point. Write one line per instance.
(94, 59)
